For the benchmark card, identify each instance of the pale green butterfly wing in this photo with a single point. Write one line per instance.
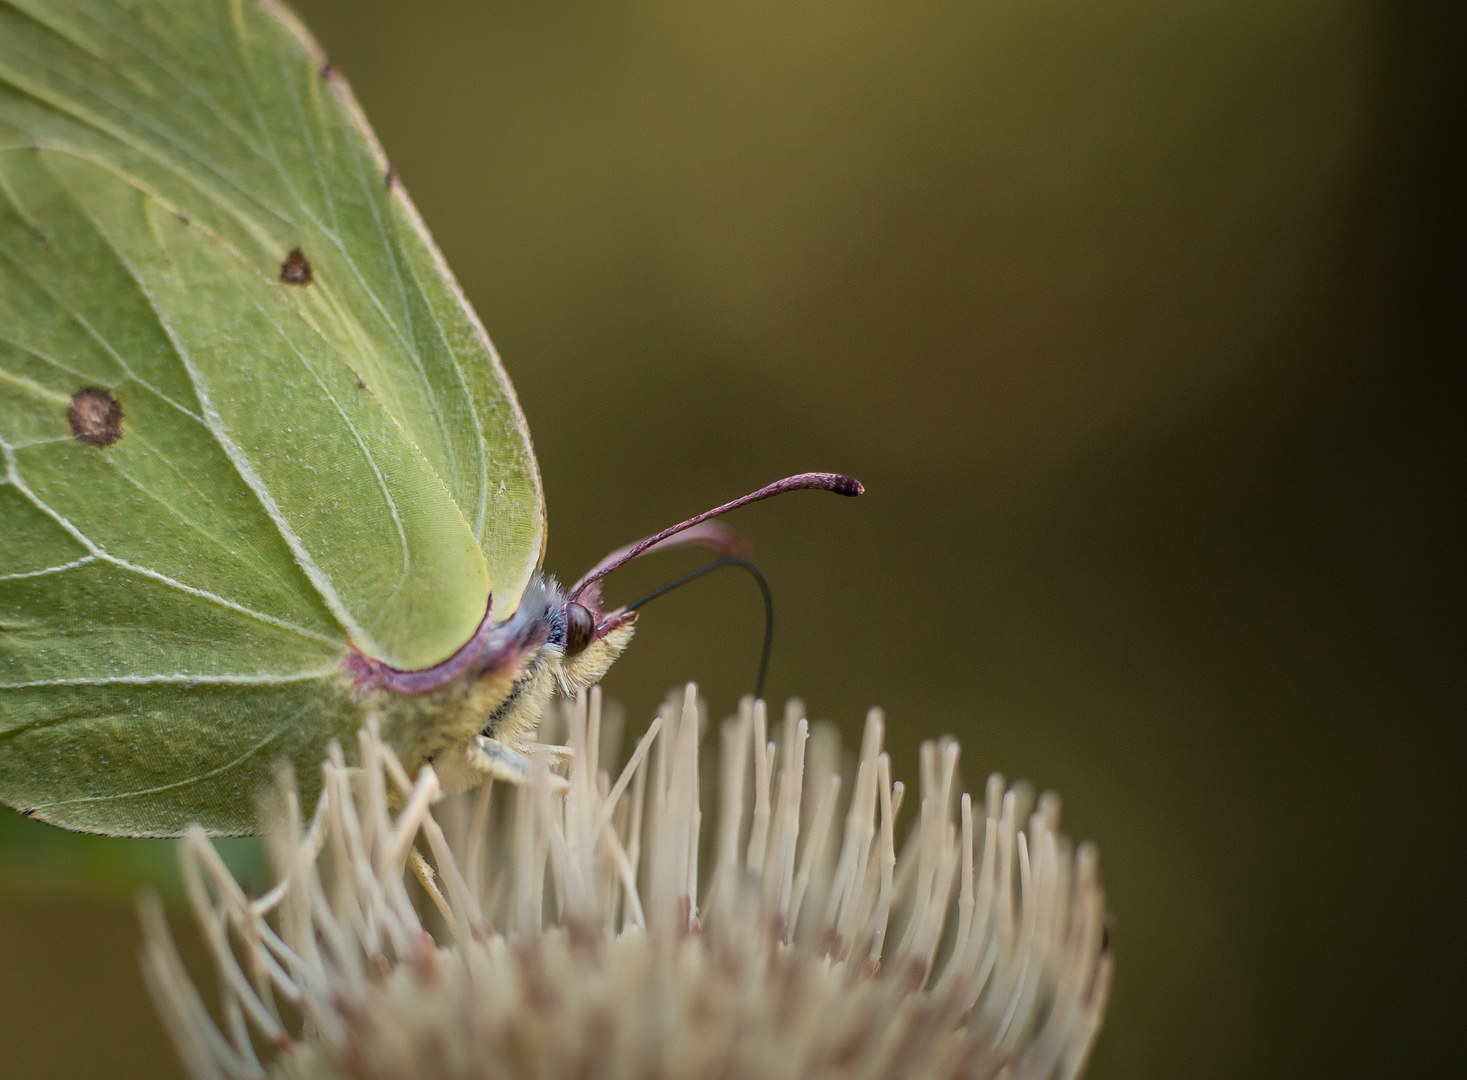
(302, 467)
(226, 109)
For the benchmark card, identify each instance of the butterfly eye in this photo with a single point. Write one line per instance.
(580, 628)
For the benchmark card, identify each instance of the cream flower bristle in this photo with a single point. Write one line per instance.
(561, 928)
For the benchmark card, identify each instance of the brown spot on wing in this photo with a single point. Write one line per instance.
(296, 269)
(95, 417)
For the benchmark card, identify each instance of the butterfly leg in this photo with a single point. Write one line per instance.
(490, 757)
(550, 753)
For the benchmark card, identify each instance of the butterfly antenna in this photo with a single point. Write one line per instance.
(835, 482)
(729, 560)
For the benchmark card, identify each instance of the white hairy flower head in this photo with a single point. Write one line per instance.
(563, 928)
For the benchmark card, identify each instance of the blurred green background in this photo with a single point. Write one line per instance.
(1143, 324)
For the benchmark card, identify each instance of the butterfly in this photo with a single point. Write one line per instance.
(264, 474)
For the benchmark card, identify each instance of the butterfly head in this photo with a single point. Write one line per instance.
(589, 637)
(492, 692)
(570, 639)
